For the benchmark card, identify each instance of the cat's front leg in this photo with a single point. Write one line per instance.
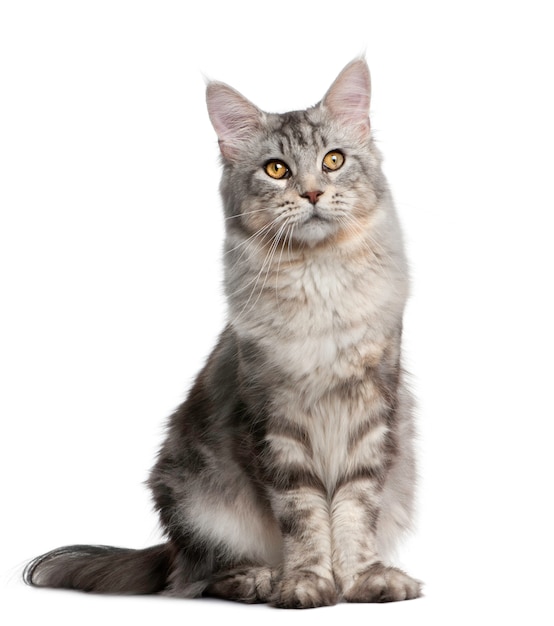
(306, 579)
(360, 574)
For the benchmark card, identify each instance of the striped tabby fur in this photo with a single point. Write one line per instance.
(287, 475)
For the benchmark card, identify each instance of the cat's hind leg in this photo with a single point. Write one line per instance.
(247, 583)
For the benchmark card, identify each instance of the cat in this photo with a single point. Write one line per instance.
(287, 475)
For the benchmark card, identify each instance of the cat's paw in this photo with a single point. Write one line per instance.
(304, 590)
(383, 584)
(249, 584)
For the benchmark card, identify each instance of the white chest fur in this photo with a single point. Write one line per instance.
(327, 319)
(331, 324)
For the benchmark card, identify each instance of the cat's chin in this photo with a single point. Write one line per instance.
(315, 230)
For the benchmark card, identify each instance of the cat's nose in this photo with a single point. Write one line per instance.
(312, 196)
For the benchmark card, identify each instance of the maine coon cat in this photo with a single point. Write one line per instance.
(287, 475)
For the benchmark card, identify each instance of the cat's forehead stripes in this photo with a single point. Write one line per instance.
(297, 131)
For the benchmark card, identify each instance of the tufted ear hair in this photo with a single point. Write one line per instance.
(349, 96)
(234, 118)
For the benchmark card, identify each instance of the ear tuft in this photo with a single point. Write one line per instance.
(349, 96)
(234, 118)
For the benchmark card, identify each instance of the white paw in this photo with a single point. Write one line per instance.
(383, 584)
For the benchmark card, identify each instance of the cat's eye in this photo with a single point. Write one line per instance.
(333, 160)
(277, 169)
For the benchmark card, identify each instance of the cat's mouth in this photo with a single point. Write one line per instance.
(317, 219)
(317, 216)
(315, 227)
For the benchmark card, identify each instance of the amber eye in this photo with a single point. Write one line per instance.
(276, 169)
(333, 161)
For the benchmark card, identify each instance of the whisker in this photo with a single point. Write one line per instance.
(232, 217)
(267, 262)
(286, 235)
(245, 286)
(264, 229)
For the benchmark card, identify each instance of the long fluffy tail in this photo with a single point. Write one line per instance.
(102, 569)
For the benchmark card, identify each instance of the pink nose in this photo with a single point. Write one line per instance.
(312, 196)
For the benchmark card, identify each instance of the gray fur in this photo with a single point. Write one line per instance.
(287, 475)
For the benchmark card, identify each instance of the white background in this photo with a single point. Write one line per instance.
(110, 246)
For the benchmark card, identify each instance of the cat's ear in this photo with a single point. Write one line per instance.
(349, 96)
(234, 118)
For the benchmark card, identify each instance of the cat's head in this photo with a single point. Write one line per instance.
(303, 176)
